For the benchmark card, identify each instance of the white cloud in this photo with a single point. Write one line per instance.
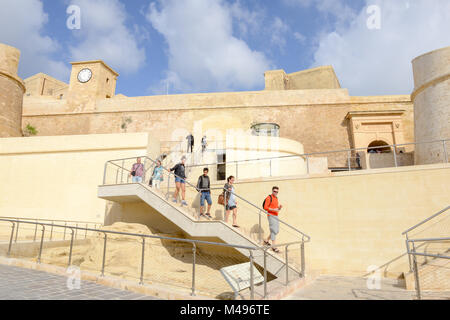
(338, 9)
(376, 62)
(279, 32)
(104, 35)
(249, 22)
(204, 55)
(21, 24)
(300, 37)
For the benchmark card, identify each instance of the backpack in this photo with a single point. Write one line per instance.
(264, 202)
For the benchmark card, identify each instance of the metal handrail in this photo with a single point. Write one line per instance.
(195, 187)
(405, 233)
(56, 220)
(426, 220)
(144, 236)
(414, 268)
(428, 239)
(328, 152)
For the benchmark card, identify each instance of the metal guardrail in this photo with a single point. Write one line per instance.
(53, 221)
(413, 252)
(349, 153)
(143, 237)
(261, 211)
(405, 233)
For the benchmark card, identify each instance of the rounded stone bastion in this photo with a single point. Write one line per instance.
(12, 90)
(431, 98)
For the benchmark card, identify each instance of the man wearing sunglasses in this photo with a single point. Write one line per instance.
(273, 208)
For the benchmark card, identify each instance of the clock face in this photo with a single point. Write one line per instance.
(84, 75)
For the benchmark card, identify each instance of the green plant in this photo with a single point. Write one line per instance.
(125, 122)
(29, 131)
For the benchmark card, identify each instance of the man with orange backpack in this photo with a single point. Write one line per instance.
(270, 204)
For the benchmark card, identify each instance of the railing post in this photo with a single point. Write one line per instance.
(71, 246)
(121, 173)
(142, 261)
(168, 187)
(348, 161)
(85, 233)
(416, 272)
(270, 164)
(104, 172)
(104, 255)
(302, 253)
(194, 250)
(42, 243)
(145, 172)
(287, 265)
(252, 285)
(445, 151)
(17, 231)
(117, 175)
(259, 228)
(65, 224)
(35, 232)
(51, 232)
(265, 272)
(307, 164)
(407, 251)
(76, 231)
(395, 156)
(11, 238)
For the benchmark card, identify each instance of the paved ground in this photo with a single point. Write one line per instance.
(26, 284)
(353, 288)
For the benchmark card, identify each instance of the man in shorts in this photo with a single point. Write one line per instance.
(180, 181)
(203, 186)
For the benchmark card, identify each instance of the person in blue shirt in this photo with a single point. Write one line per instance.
(158, 175)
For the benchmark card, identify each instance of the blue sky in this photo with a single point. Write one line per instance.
(226, 45)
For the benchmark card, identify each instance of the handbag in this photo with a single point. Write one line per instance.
(133, 173)
(221, 199)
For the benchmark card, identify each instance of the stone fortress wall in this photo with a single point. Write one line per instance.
(310, 106)
(12, 89)
(431, 99)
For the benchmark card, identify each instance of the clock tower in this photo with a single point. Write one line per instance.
(90, 81)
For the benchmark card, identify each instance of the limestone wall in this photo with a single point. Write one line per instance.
(11, 93)
(315, 118)
(57, 177)
(355, 219)
(316, 78)
(431, 99)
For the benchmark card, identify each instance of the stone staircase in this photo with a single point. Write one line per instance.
(186, 219)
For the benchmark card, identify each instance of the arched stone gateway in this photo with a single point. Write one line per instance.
(379, 146)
